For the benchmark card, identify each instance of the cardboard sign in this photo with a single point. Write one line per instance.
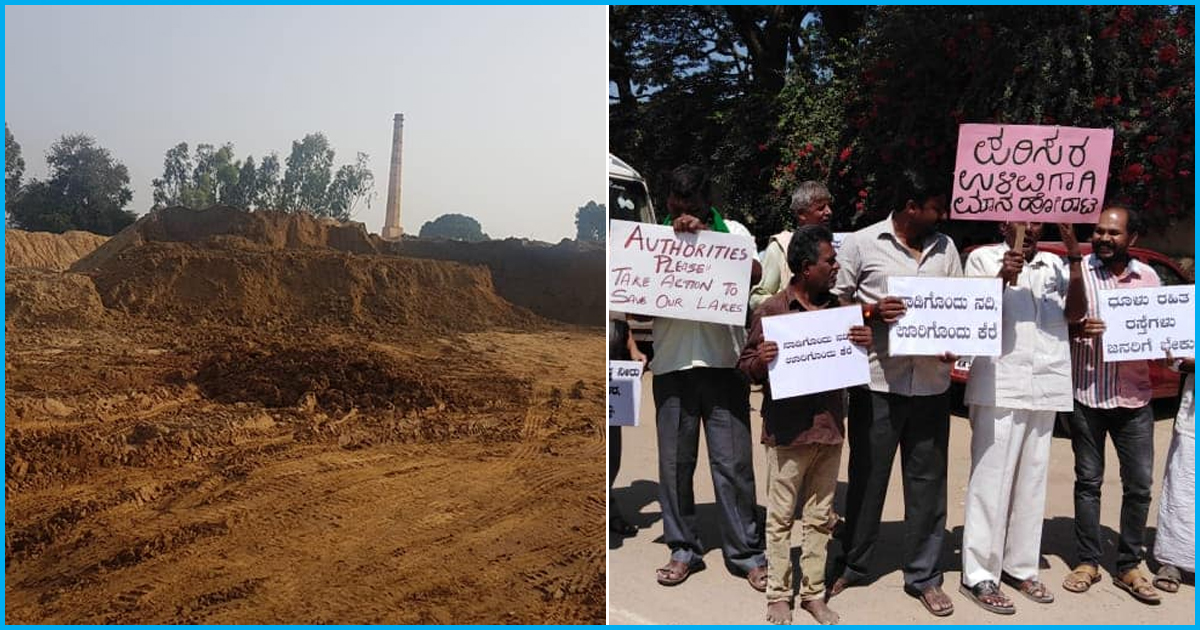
(1145, 323)
(959, 315)
(624, 392)
(1030, 173)
(655, 271)
(815, 354)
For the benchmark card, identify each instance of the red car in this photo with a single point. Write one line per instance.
(1165, 383)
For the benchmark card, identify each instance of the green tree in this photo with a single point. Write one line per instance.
(14, 169)
(87, 190)
(590, 221)
(267, 187)
(308, 175)
(173, 188)
(353, 183)
(457, 227)
(243, 191)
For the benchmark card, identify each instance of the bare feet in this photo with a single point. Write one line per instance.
(779, 613)
(822, 613)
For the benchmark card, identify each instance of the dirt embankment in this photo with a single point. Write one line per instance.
(563, 282)
(232, 418)
(43, 250)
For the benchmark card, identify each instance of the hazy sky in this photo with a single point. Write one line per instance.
(505, 108)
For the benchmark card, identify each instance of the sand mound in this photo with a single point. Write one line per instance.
(281, 289)
(48, 298)
(44, 250)
(563, 281)
(225, 227)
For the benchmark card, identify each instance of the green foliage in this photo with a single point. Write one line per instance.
(871, 90)
(457, 227)
(14, 169)
(214, 176)
(590, 222)
(309, 172)
(87, 190)
(351, 184)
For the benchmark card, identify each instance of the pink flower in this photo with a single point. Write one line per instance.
(845, 154)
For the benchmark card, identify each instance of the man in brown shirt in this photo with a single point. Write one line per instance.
(803, 435)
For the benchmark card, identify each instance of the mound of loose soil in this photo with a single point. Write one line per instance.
(287, 288)
(44, 250)
(340, 379)
(223, 226)
(48, 298)
(563, 282)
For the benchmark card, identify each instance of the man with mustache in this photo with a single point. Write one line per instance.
(810, 206)
(1013, 399)
(1111, 399)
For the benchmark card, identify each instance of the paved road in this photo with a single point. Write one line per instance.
(714, 596)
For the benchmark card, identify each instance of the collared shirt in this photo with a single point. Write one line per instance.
(775, 272)
(868, 257)
(1109, 385)
(681, 344)
(1033, 370)
(812, 419)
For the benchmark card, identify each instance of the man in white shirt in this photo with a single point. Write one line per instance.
(1013, 399)
(696, 381)
(811, 205)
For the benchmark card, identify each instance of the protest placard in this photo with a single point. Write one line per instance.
(624, 392)
(1030, 173)
(1144, 323)
(815, 354)
(655, 271)
(958, 315)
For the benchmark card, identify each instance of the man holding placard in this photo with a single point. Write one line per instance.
(1013, 400)
(803, 434)
(696, 379)
(810, 206)
(905, 405)
(1113, 399)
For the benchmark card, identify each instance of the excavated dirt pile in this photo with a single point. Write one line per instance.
(43, 250)
(228, 417)
(563, 282)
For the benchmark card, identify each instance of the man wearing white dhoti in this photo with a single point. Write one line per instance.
(1175, 544)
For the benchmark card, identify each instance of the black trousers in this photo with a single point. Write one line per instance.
(920, 427)
(1132, 432)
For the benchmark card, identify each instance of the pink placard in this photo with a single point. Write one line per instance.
(1030, 173)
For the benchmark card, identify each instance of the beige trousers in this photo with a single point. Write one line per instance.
(804, 475)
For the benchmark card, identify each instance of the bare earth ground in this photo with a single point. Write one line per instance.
(714, 596)
(133, 497)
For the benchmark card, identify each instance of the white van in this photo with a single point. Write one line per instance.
(629, 200)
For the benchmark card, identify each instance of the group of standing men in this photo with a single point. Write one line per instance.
(1051, 361)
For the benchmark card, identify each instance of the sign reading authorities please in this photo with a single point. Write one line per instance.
(655, 271)
(959, 315)
(1144, 323)
(1030, 173)
(624, 392)
(815, 353)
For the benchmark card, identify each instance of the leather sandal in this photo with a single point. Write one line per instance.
(1033, 589)
(1168, 578)
(673, 573)
(989, 597)
(1136, 584)
(1081, 578)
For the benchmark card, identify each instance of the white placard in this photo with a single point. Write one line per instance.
(655, 271)
(958, 315)
(1143, 323)
(815, 354)
(624, 392)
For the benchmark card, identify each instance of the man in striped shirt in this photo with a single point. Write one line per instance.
(1112, 399)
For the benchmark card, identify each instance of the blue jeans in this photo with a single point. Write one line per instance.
(1132, 432)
